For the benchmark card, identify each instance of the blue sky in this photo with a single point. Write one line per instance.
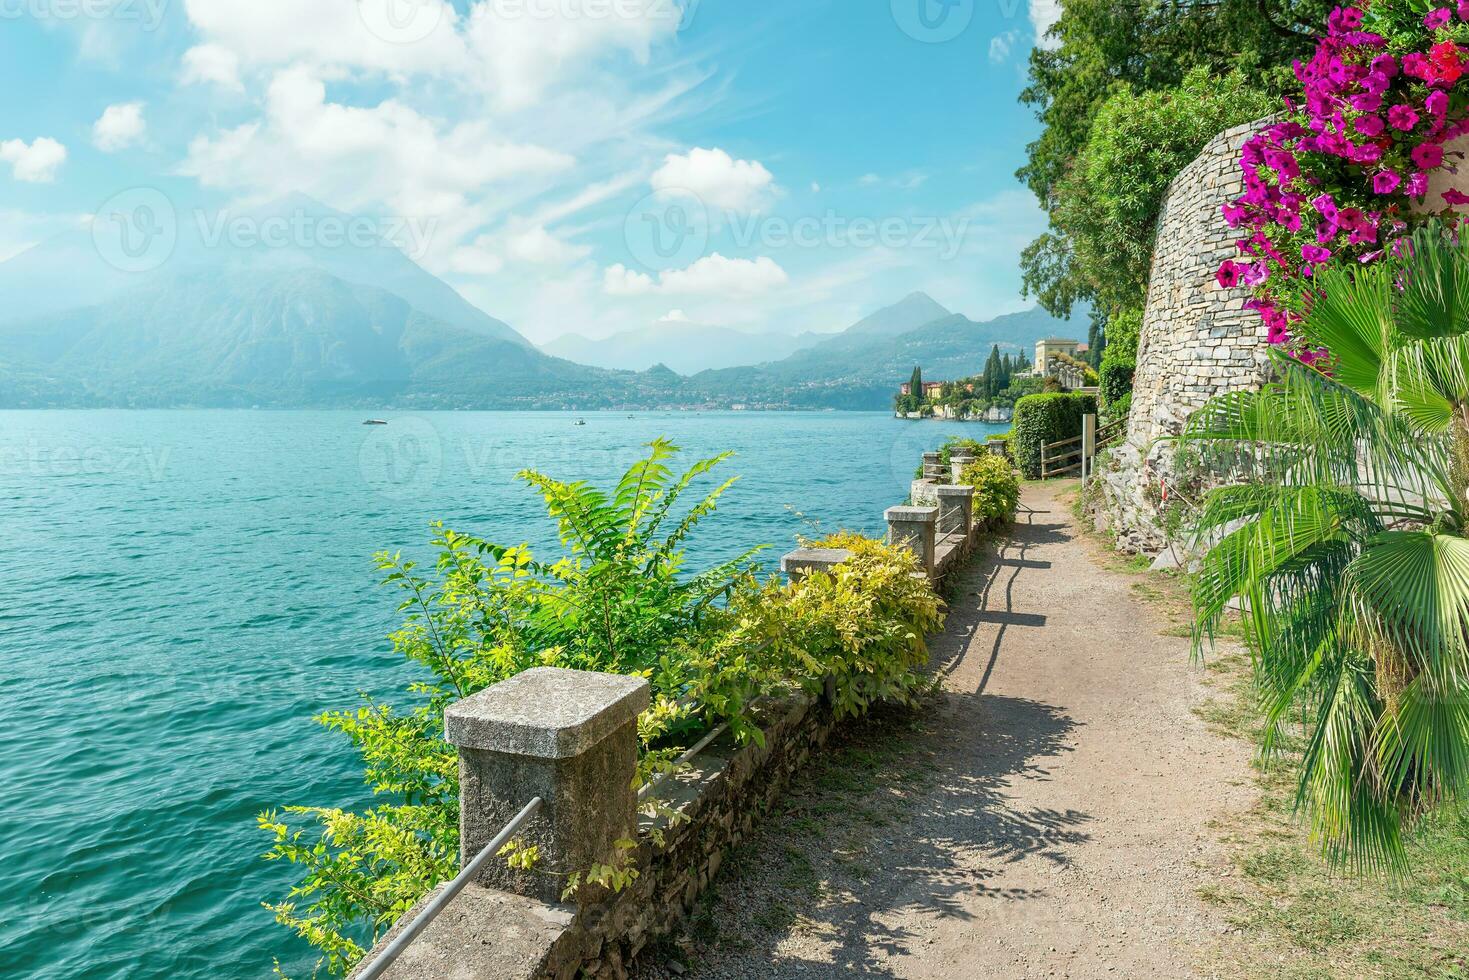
(579, 166)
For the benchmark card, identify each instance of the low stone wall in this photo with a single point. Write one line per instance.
(488, 934)
(568, 738)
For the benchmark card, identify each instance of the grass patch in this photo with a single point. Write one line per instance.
(1291, 914)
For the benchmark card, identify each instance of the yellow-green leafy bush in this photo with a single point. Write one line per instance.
(996, 488)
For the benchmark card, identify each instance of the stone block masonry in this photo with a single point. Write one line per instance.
(1197, 340)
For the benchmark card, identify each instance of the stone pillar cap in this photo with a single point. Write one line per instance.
(546, 712)
(923, 515)
(813, 558)
(954, 490)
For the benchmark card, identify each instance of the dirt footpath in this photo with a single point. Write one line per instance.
(1049, 816)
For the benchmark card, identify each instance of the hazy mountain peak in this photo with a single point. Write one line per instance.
(909, 313)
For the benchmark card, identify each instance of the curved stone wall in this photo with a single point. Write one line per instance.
(1197, 340)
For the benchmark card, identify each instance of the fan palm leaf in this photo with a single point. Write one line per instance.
(1340, 526)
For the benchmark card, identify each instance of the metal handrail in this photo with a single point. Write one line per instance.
(441, 901)
(697, 747)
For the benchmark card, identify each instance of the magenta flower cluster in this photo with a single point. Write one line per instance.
(1334, 181)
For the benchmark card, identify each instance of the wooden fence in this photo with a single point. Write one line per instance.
(1074, 456)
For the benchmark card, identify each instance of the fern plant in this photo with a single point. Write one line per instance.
(615, 601)
(1344, 535)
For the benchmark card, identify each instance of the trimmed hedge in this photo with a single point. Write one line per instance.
(1043, 419)
(1116, 380)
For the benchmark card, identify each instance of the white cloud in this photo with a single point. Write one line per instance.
(35, 162)
(815, 187)
(519, 50)
(478, 259)
(713, 275)
(119, 127)
(513, 52)
(351, 157)
(1044, 14)
(674, 316)
(716, 178)
(619, 280)
(868, 180)
(1001, 45)
(330, 33)
(20, 230)
(212, 64)
(537, 246)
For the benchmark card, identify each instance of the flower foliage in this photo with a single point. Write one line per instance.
(1345, 174)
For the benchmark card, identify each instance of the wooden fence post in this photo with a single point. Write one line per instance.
(1088, 446)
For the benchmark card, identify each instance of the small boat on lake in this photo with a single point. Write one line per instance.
(375, 422)
(581, 422)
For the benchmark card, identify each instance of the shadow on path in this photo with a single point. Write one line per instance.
(907, 813)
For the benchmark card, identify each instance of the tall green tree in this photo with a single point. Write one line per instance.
(915, 383)
(1347, 536)
(1099, 50)
(1104, 212)
(992, 381)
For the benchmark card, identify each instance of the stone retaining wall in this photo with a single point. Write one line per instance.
(1197, 341)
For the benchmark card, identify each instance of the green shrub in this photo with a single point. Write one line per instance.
(1119, 409)
(1043, 419)
(1124, 326)
(617, 600)
(996, 488)
(1116, 380)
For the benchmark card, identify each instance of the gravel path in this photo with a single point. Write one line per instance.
(1048, 815)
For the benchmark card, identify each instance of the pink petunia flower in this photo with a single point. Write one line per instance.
(1368, 125)
(1427, 156)
(1437, 18)
(1403, 117)
(1385, 182)
(1314, 254)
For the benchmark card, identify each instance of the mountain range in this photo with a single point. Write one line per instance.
(298, 326)
(686, 348)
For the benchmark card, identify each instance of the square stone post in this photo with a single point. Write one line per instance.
(957, 462)
(567, 736)
(956, 509)
(913, 528)
(933, 466)
(996, 447)
(808, 561)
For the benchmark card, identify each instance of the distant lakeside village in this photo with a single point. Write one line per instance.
(1060, 364)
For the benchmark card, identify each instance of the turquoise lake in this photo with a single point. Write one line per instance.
(180, 592)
